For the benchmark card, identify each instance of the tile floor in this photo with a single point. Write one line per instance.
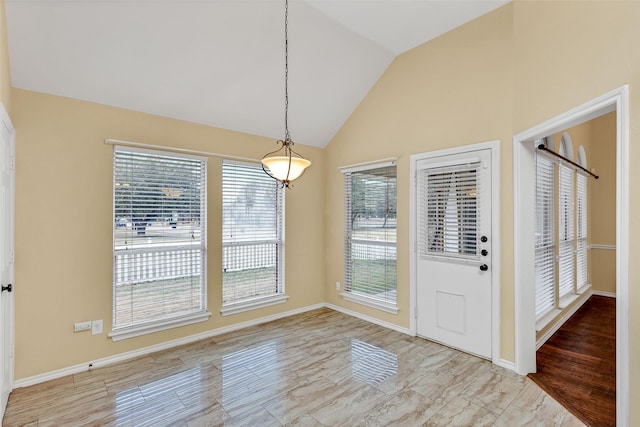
(320, 368)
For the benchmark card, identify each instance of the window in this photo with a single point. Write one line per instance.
(159, 241)
(581, 226)
(566, 232)
(370, 236)
(545, 237)
(560, 256)
(451, 211)
(252, 238)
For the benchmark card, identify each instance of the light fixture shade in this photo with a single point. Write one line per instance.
(279, 167)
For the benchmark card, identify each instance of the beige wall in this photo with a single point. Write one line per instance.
(455, 90)
(598, 136)
(490, 79)
(602, 202)
(566, 54)
(64, 226)
(5, 77)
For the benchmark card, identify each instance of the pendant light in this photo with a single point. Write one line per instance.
(285, 165)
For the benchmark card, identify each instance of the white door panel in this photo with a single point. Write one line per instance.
(453, 259)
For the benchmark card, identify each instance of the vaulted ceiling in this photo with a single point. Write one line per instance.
(221, 62)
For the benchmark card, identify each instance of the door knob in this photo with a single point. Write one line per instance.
(484, 267)
(7, 288)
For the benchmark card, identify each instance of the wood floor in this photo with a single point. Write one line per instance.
(320, 368)
(577, 365)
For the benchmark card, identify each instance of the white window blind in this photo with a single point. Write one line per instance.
(159, 238)
(370, 233)
(566, 233)
(581, 210)
(449, 211)
(545, 238)
(252, 234)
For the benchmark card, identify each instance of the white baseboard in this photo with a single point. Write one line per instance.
(563, 319)
(501, 362)
(506, 364)
(605, 294)
(82, 367)
(369, 319)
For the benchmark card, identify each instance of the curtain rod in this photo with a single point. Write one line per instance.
(178, 150)
(544, 148)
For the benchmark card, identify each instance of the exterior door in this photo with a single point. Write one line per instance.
(453, 253)
(6, 258)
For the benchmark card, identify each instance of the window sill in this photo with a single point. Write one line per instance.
(254, 304)
(567, 300)
(584, 289)
(371, 302)
(547, 318)
(162, 325)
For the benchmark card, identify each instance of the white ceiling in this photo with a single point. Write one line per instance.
(221, 62)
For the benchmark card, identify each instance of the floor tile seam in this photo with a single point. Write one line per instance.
(307, 411)
(505, 411)
(274, 415)
(246, 411)
(23, 420)
(194, 411)
(470, 403)
(43, 406)
(501, 379)
(568, 407)
(486, 407)
(165, 395)
(317, 420)
(350, 390)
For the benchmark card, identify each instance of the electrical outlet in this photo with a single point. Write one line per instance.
(96, 327)
(82, 326)
(337, 286)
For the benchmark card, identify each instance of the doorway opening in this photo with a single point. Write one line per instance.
(575, 259)
(524, 234)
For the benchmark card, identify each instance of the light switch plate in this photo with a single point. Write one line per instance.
(96, 327)
(81, 326)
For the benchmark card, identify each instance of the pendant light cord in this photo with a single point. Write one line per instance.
(287, 136)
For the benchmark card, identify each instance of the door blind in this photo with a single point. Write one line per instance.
(566, 234)
(159, 239)
(449, 211)
(545, 237)
(252, 233)
(581, 210)
(370, 233)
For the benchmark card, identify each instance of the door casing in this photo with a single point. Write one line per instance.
(7, 332)
(494, 147)
(523, 201)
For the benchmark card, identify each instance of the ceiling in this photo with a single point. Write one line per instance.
(221, 62)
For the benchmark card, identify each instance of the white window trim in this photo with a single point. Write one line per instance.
(392, 161)
(173, 322)
(546, 318)
(254, 304)
(370, 302)
(157, 326)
